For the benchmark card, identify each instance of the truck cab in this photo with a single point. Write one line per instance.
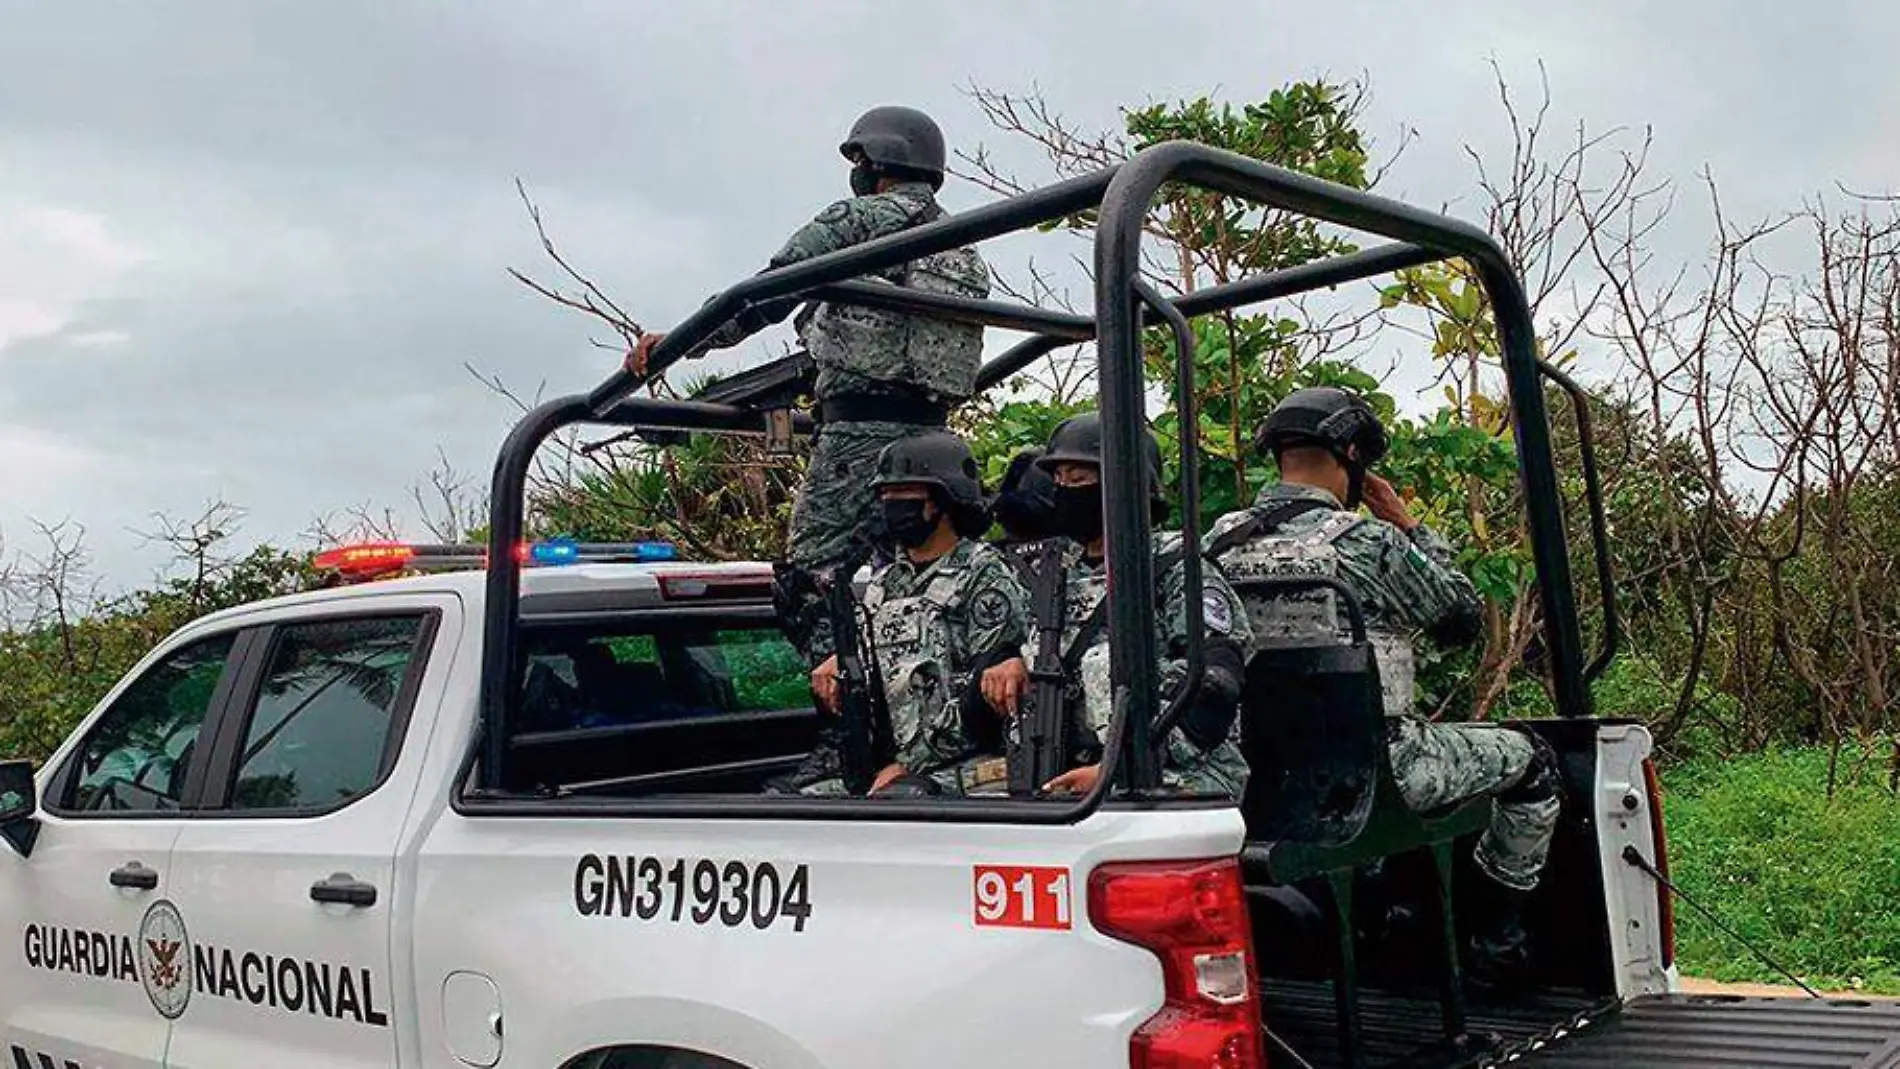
(515, 809)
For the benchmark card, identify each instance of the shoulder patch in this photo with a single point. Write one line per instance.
(836, 212)
(990, 608)
(1215, 611)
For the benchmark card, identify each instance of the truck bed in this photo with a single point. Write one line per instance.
(1674, 1031)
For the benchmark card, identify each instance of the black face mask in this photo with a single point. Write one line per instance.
(1078, 512)
(864, 178)
(905, 522)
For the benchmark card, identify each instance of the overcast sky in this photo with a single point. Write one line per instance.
(246, 247)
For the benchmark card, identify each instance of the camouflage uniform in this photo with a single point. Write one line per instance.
(932, 629)
(1405, 584)
(1186, 767)
(868, 353)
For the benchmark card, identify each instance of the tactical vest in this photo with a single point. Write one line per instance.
(938, 357)
(1083, 633)
(913, 630)
(1295, 619)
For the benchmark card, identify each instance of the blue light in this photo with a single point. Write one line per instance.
(555, 551)
(648, 551)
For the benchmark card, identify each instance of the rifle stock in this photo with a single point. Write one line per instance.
(1040, 735)
(775, 384)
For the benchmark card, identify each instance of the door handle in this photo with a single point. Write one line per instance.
(343, 889)
(135, 876)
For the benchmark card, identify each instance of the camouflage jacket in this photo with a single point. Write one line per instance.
(1404, 583)
(1185, 766)
(868, 351)
(932, 628)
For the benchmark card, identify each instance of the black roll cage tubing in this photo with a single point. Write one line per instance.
(1123, 193)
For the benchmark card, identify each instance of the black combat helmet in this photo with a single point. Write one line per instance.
(1078, 440)
(1025, 499)
(941, 460)
(903, 139)
(1328, 418)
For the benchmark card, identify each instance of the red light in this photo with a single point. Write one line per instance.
(367, 559)
(1665, 903)
(1193, 916)
(716, 586)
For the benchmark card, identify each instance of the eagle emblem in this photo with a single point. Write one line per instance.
(165, 959)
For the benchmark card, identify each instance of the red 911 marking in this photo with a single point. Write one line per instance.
(1016, 896)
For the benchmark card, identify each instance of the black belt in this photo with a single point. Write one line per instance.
(883, 408)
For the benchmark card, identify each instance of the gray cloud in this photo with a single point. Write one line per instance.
(285, 225)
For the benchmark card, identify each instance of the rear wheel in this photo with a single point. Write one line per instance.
(649, 1058)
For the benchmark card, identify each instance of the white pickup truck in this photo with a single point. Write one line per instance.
(518, 817)
(254, 853)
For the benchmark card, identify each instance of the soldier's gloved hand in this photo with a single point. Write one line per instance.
(642, 349)
(824, 683)
(1385, 503)
(1005, 684)
(1075, 781)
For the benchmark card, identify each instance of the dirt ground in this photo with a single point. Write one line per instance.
(1711, 987)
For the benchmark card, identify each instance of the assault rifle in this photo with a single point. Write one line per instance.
(1038, 749)
(865, 718)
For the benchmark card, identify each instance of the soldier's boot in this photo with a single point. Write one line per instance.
(1510, 857)
(822, 763)
(1498, 951)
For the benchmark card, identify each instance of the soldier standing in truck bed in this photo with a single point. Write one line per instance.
(882, 376)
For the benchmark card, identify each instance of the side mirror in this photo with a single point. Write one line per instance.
(19, 806)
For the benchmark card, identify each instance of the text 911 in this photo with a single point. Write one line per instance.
(1013, 896)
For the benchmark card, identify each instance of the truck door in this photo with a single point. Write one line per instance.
(93, 973)
(289, 886)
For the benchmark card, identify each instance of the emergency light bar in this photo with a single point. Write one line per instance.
(370, 560)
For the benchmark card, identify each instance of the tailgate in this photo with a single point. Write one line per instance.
(1693, 1031)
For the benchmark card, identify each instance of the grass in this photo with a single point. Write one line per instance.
(1814, 881)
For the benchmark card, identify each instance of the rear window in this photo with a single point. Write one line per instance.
(597, 677)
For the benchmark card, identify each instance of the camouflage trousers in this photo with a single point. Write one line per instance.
(835, 506)
(1188, 769)
(1438, 765)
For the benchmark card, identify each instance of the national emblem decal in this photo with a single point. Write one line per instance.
(165, 959)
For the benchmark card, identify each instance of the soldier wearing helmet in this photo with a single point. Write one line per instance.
(1325, 440)
(948, 606)
(1024, 501)
(1202, 753)
(881, 376)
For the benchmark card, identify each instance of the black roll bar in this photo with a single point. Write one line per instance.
(991, 220)
(1189, 411)
(1368, 263)
(1599, 523)
(1124, 193)
(1118, 262)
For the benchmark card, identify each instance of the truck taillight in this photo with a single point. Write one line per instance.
(1193, 916)
(1665, 904)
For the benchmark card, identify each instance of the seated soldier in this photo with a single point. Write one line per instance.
(939, 612)
(1202, 754)
(1324, 440)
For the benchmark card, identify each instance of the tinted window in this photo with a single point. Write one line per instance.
(321, 724)
(135, 758)
(578, 679)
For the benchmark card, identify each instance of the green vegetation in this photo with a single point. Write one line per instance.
(1813, 880)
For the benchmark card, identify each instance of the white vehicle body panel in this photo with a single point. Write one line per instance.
(494, 942)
